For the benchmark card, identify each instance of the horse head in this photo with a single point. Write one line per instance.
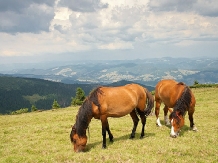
(79, 142)
(177, 121)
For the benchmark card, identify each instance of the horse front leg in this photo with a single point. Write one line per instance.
(157, 112)
(166, 118)
(135, 123)
(109, 132)
(105, 127)
(192, 125)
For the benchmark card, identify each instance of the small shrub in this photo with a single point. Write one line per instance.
(21, 111)
(33, 108)
(203, 85)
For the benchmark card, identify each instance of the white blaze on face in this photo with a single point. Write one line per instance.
(173, 133)
(158, 122)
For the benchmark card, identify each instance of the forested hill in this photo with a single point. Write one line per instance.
(17, 93)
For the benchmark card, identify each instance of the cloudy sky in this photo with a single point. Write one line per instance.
(39, 30)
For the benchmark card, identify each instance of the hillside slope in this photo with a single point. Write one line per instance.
(44, 137)
(17, 93)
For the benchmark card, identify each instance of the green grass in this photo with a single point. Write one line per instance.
(44, 137)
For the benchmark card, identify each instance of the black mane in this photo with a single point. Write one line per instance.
(182, 104)
(85, 111)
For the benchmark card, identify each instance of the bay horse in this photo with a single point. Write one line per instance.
(106, 102)
(176, 95)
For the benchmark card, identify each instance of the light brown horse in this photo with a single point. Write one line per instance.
(179, 97)
(106, 102)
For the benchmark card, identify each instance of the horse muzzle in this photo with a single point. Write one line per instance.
(174, 135)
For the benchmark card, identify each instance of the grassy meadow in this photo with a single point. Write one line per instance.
(44, 137)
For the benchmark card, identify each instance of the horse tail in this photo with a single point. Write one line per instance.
(150, 101)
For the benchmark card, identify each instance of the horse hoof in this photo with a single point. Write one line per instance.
(168, 124)
(194, 128)
(103, 147)
(111, 140)
(131, 137)
(141, 137)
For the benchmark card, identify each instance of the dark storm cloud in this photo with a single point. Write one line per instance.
(19, 5)
(83, 5)
(201, 7)
(171, 5)
(25, 15)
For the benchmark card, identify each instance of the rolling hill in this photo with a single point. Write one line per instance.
(17, 93)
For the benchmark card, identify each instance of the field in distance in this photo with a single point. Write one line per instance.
(44, 137)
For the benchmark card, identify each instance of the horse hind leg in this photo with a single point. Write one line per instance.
(143, 121)
(135, 123)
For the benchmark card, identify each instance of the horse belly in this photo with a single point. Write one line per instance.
(168, 102)
(118, 102)
(119, 109)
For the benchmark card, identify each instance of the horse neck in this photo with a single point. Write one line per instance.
(183, 102)
(83, 119)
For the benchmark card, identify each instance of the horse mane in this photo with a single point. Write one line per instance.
(180, 83)
(182, 104)
(85, 111)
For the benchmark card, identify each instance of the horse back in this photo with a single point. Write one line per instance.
(169, 91)
(119, 101)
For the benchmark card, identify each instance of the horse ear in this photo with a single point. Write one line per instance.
(178, 113)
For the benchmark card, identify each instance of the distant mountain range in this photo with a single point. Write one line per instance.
(147, 72)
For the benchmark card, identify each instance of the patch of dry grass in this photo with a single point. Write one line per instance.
(44, 137)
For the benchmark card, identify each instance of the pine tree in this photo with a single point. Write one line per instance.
(55, 105)
(79, 98)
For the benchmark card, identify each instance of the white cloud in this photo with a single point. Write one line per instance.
(149, 28)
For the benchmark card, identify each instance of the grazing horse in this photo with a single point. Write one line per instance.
(179, 97)
(106, 102)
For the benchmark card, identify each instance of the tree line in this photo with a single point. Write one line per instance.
(27, 94)
(77, 100)
(17, 93)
